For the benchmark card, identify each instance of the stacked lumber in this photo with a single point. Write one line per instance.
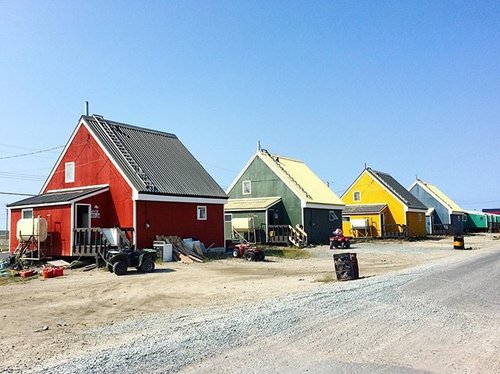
(181, 252)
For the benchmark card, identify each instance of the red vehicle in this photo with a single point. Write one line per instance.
(338, 240)
(249, 253)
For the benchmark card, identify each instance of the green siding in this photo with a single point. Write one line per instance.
(267, 184)
(475, 222)
(318, 225)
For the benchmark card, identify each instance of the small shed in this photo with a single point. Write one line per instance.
(364, 220)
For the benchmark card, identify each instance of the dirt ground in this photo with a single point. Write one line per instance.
(45, 316)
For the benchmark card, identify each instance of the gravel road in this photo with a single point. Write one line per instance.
(440, 317)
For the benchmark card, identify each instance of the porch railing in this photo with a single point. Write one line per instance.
(286, 234)
(396, 231)
(88, 242)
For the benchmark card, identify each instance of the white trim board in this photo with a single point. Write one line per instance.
(78, 188)
(177, 199)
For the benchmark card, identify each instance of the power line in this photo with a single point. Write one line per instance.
(32, 153)
(16, 193)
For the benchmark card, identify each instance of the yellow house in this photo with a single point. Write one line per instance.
(377, 205)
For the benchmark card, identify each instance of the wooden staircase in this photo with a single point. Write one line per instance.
(298, 237)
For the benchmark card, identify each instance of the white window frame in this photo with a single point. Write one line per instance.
(330, 217)
(246, 183)
(199, 209)
(27, 210)
(354, 196)
(69, 172)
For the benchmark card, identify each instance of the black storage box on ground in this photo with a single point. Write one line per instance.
(346, 266)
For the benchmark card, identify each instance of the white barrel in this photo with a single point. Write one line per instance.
(35, 228)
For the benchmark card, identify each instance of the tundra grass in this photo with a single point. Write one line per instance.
(288, 253)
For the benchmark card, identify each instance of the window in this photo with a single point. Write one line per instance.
(228, 217)
(465, 218)
(246, 187)
(201, 213)
(27, 213)
(332, 216)
(69, 172)
(356, 196)
(346, 219)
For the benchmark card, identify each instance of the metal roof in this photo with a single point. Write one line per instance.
(303, 181)
(258, 203)
(442, 197)
(58, 197)
(397, 189)
(364, 209)
(155, 162)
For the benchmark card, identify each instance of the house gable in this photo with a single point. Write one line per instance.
(442, 211)
(371, 191)
(92, 167)
(265, 183)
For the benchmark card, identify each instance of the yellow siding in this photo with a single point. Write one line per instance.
(372, 192)
(374, 222)
(416, 223)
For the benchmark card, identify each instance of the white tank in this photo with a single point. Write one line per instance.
(243, 224)
(28, 227)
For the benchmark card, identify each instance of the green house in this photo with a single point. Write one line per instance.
(277, 199)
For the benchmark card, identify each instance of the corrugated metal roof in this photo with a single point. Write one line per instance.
(398, 190)
(257, 203)
(57, 197)
(154, 161)
(444, 198)
(364, 209)
(303, 180)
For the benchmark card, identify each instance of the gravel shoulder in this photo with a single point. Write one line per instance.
(199, 316)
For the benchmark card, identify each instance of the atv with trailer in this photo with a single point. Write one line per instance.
(248, 253)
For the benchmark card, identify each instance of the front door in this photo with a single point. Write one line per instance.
(82, 221)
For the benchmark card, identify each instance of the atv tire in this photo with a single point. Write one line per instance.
(331, 245)
(250, 256)
(236, 253)
(109, 267)
(336, 245)
(147, 266)
(120, 268)
(346, 245)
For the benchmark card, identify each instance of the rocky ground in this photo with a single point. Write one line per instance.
(275, 316)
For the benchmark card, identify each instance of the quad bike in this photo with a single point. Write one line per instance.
(118, 261)
(340, 241)
(122, 254)
(248, 253)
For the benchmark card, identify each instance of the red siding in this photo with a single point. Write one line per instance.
(58, 224)
(93, 167)
(179, 219)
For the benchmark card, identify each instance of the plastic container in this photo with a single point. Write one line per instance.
(48, 273)
(59, 271)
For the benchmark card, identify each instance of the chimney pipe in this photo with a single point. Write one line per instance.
(86, 108)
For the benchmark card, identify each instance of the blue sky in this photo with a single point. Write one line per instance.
(410, 88)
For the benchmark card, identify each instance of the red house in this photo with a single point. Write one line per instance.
(111, 173)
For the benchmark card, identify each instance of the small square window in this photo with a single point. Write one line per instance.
(228, 217)
(332, 216)
(201, 213)
(246, 187)
(69, 172)
(356, 196)
(27, 213)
